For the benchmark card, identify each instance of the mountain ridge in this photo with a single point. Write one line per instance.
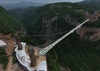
(8, 23)
(73, 53)
(22, 4)
(94, 4)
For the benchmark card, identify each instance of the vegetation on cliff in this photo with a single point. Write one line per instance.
(93, 4)
(35, 20)
(72, 53)
(7, 23)
(78, 55)
(3, 57)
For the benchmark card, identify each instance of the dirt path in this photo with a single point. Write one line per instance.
(10, 64)
(1, 67)
(10, 47)
(9, 50)
(11, 67)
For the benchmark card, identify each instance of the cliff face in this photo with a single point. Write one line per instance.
(67, 18)
(87, 33)
(92, 33)
(48, 22)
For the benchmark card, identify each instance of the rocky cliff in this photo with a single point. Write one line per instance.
(92, 33)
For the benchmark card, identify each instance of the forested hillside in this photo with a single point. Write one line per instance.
(92, 3)
(77, 52)
(73, 53)
(20, 13)
(7, 23)
(44, 16)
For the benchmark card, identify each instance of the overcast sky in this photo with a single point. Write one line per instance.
(39, 1)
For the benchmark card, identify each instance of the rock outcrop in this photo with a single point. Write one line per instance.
(92, 33)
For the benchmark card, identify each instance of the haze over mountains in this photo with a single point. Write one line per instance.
(22, 4)
(92, 1)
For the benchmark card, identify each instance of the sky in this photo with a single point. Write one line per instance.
(38, 1)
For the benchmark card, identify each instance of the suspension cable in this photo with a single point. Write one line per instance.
(46, 35)
(51, 34)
